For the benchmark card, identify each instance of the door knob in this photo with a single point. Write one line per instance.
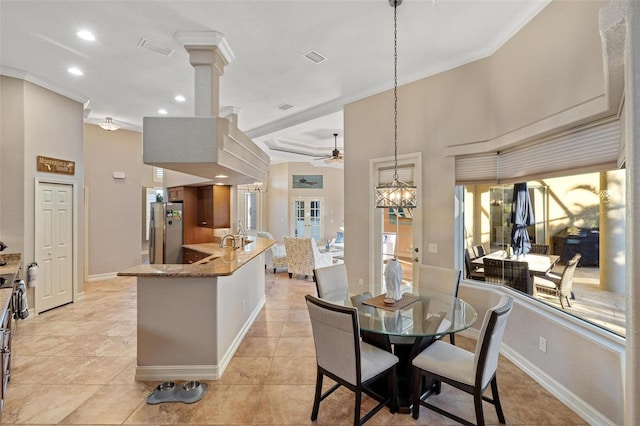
(415, 259)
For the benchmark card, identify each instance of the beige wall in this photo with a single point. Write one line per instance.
(278, 209)
(36, 121)
(536, 84)
(114, 207)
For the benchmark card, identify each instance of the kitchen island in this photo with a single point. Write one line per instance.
(192, 318)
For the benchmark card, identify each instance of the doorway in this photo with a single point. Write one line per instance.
(54, 246)
(308, 217)
(397, 233)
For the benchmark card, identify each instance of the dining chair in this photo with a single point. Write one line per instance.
(539, 249)
(343, 357)
(443, 280)
(471, 372)
(558, 285)
(331, 283)
(512, 273)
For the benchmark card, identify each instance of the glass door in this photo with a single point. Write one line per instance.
(308, 217)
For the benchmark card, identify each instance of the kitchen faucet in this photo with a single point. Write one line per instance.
(233, 239)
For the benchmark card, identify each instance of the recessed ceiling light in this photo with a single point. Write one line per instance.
(180, 98)
(314, 56)
(162, 111)
(75, 71)
(221, 176)
(86, 35)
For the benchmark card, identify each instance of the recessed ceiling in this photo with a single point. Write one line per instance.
(38, 42)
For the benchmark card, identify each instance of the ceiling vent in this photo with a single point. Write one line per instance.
(284, 107)
(156, 47)
(314, 57)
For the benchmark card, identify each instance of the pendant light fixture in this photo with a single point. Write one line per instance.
(109, 124)
(397, 194)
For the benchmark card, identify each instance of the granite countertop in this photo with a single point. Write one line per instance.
(220, 262)
(14, 262)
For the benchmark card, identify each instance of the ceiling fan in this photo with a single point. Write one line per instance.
(335, 155)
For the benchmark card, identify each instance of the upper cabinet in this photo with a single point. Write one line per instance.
(214, 206)
(175, 193)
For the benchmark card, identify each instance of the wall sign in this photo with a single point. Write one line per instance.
(55, 165)
(307, 181)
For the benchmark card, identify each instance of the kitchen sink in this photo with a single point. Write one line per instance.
(6, 280)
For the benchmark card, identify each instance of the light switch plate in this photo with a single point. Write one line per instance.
(433, 248)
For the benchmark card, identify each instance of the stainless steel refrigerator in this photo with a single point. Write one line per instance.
(165, 233)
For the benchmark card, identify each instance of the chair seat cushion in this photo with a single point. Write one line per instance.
(541, 282)
(447, 360)
(375, 360)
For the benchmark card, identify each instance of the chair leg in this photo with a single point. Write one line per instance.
(356, 409)
(417, 390)
(496, 400)
(452, 339)
(568, 302)
(477, 402)
(318, 396)
(290, 275)
(274, 270)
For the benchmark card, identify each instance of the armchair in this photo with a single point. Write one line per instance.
(303, 256)
(276, 256)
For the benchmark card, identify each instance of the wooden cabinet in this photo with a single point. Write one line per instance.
(192, 256)
(175, 193)
(214, 210)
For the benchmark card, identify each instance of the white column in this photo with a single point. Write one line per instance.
(612, 232)
(632, 150)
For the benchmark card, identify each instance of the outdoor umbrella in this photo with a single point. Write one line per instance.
(521, 217)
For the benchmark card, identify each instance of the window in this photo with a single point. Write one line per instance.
(152, 197)
(251, 211)
(576, 214)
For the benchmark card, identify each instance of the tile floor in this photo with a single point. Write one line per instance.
(75, 365)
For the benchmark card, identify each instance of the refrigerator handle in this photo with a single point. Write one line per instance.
(152, 240)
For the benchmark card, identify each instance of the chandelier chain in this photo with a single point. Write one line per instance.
(395, 89)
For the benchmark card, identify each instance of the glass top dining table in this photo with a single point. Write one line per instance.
(429, 314)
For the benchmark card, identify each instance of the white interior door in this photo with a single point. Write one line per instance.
(54, 245)
(308, 217)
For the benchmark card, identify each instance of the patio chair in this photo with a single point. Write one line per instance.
(474, 272)
(539, 249)
(276, 256)
(511, 273)
(558, 285)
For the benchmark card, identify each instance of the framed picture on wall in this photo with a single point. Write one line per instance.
(307, 181)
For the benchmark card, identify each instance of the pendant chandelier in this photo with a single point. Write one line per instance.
(397, 194)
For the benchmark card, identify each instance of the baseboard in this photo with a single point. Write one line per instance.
(163, 373)
(102, 277)
(564, 395)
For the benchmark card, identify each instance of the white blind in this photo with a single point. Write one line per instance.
(405, 174)
(591, 149)
(477, 169)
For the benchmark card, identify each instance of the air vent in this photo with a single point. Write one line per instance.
(314, 56)
(156, 47)
(86, 112)
(284, 107)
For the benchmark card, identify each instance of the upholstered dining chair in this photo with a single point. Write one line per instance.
(512, 273)
(471, 372)
(343, 357)
(276, 256)
(559, 286)
(443, 280)
(331, 283)
(303, 256)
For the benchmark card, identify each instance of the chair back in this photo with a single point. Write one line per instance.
(469, 255)
(264, 234)
(303, 255)
(479, 250)
(566, 280)
(444, 280)
(490, 339)
(539, 249)
(332, 283)
(511, 273)
(336, 335)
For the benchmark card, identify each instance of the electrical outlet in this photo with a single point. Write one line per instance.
(543, 344)
(360, 282)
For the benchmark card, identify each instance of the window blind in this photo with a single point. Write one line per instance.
(591, 149)
(405, 174)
